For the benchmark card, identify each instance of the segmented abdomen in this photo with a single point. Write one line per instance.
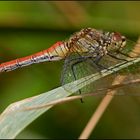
(54, 53)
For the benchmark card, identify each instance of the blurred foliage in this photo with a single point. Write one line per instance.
(30, 26)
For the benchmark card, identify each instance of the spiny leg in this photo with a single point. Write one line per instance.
(119, 59)
(113, 56)
(73, 71)
(127, 55)
(65, 66)
(99, 66)
(96, 62)
(63, 73)
(69, 62)
(66, 63)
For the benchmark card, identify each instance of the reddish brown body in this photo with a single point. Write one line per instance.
(88, 42)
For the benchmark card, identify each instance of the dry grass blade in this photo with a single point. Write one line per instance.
(105, 101)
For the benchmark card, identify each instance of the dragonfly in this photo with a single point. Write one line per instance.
(88, 46)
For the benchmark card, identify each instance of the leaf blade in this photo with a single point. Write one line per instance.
(14, 119)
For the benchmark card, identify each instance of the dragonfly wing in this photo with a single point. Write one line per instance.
(76, 67)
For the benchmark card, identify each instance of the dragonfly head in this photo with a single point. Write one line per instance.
(118, 42)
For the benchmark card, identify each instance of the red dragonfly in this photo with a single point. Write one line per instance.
(89, 43)
(83, 53)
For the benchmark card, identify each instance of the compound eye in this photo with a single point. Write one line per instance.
(117, 36)
(123, 39)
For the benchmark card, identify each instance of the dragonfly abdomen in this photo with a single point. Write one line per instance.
(54, 53)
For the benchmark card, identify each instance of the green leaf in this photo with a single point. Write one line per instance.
(15, 118)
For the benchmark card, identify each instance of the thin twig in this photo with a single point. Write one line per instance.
(105, 102)
(99, 111)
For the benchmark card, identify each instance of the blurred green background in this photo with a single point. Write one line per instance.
(28, 27)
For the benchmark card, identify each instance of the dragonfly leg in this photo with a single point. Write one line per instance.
(120, 58)
(74, 64)
(127, 55)
(113, 56)
(96, 62)
(99, 66)
(63, 73)
(66, 63)
(73, 71)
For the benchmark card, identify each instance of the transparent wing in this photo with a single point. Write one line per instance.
(76, 67)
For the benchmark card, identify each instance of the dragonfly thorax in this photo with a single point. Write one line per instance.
(96, 42)
(90, 41)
